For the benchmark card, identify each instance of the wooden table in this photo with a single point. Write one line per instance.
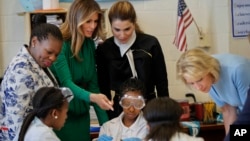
(211, 132)
(94, 135)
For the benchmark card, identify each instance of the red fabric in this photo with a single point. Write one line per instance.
(184, 20)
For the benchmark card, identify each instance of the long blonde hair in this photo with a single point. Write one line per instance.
(79, 13)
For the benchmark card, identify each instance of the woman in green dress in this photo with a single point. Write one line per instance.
(75, 68)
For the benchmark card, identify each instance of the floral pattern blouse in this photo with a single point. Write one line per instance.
(21, 80)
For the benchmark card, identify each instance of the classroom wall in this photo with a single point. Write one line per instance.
(156, 17)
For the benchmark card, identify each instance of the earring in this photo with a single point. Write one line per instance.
(56, 117)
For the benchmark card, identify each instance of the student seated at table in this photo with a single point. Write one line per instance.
(50, 112)
(130, 124)
(163, 117)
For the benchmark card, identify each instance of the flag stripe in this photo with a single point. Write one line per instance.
(183, 21)
(187, 18)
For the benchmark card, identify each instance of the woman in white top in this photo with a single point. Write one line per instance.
(130, 124)
(50, 112)
(163, 118)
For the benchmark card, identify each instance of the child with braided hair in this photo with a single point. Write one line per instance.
(50, 112)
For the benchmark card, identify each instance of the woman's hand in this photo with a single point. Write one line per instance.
(229, 116)
(102, 101)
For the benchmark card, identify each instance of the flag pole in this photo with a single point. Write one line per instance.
(200, 33)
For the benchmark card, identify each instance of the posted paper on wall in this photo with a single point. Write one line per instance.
(240, 17)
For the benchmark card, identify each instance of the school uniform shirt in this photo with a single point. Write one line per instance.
(234, 81)
(21, 80)
(116, 129)
(38, 131)
(184, 137)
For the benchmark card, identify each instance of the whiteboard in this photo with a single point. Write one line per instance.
(240, 17)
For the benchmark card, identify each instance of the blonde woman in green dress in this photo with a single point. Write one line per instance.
(75, 68)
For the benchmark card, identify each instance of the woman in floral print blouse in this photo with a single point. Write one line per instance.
(27, 72)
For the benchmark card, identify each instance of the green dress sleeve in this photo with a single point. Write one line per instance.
(62, 72)
(65, 65)
(100, 113)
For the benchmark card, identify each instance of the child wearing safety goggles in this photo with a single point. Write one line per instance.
(130, 125)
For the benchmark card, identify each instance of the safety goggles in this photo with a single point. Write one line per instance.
(67, 93)
(137, 101)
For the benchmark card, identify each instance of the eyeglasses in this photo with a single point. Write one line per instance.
(67, 93)
(137, 101)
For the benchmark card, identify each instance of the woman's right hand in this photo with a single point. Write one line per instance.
(102, 101)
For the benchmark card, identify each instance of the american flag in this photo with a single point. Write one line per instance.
(184, 20)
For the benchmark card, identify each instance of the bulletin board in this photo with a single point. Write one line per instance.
(240, 17)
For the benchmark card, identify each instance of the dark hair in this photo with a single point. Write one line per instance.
(163, 117)
(124, 10)
(45, 99)
(37, 19)
(44, 30)
(132, 84)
